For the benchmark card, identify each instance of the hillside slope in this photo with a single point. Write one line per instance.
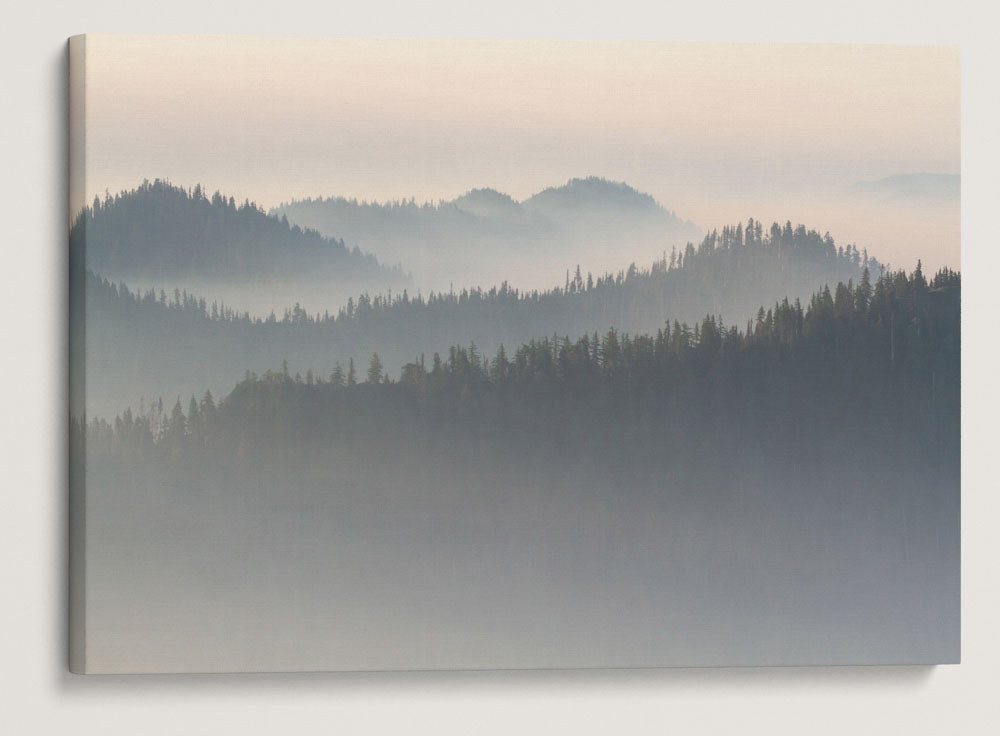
(165, 236)
(169, 344)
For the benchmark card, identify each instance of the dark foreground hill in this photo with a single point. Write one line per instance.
(786, 493)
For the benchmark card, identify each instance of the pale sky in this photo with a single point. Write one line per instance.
(714, 132)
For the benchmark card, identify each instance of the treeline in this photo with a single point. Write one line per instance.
(158, 231)
(724, 267)
(143, 344)
(865, 365)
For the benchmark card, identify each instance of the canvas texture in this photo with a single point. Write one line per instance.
(414, 354)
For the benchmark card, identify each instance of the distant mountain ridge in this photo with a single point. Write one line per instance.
(474, 237)
(575, 196)
(490, 204)
(578, 194)
(916, 188)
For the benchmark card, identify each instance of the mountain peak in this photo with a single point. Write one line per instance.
(581, 202)
(487, 203)
(590, 192)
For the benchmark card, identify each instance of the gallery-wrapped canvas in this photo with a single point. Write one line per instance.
(414, 354)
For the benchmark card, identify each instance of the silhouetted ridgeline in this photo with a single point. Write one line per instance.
(485, 235)
(885, 353)
(171, 343)
(488, 212)
(159, 232)
(591, 196)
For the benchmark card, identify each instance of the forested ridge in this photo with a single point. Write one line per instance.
(861, 358)
(779, 491)
(724, 268)
(161, 231)
(142, 344)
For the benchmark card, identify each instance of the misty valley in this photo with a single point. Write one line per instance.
(567, 431)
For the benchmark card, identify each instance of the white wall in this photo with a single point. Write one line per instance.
(38, 696)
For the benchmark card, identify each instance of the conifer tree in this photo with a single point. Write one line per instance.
(374, 370)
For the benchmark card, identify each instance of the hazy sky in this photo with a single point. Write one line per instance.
(714, 132)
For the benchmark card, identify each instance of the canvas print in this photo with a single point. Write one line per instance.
(426, 354)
